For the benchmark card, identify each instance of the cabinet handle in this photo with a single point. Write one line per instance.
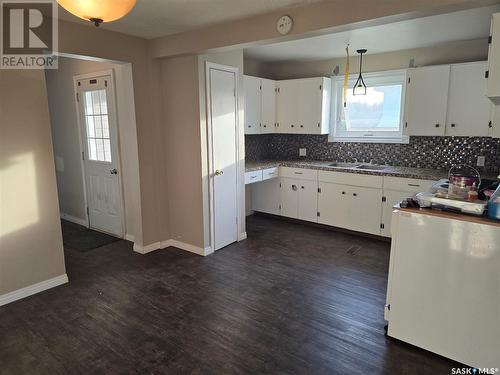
(265, 126)
(294, 187)
(301, 126)
(343, 192)
(249, 126)
(453, 125)
(252, 177)
(414, 185)
(292, 125)
(354, 194)
(437, 125)
(302, 187)
(297, 172)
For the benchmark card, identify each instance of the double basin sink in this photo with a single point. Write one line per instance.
(360, 166)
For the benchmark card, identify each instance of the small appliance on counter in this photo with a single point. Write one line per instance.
(462, 179)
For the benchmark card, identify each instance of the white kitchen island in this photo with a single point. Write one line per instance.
(443, 291)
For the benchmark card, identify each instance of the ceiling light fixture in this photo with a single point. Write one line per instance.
(360, 87)
(98, 11)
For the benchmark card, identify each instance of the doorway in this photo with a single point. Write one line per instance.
(96, 108)
(222, 114)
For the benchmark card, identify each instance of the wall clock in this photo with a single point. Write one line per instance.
(284, 25)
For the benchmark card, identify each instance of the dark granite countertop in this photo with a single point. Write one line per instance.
(406, 172)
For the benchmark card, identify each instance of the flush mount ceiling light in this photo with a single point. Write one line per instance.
(360, 87)
(98, 11)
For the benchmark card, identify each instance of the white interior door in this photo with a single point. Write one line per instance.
(96, 105)
(223, 121)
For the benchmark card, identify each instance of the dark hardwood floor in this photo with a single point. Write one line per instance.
(291, 299)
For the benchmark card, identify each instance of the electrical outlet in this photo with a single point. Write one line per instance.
(302, 152)
(481, 161)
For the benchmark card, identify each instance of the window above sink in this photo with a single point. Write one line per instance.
(376, 117)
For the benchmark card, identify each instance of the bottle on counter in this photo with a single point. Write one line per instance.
(494, 205)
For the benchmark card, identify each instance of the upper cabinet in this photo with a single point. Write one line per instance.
(268, 105)
(448, 100)
(426, 100)
(468, 106)
(303, 105)
(493, 86)
(252, 104)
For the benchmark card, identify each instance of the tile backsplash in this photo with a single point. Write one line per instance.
(421, 152)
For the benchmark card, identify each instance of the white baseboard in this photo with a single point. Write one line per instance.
(172, 243)
(33, 289)
(129, 237)
(242, 236)
(74, 219)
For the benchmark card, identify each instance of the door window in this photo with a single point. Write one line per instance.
(97, 125)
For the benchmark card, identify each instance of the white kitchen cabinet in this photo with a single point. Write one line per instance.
(395, 190)
(252, 104)
(299, 198)
(287, 106)
(427, 100)
(493, 84)
(303, 105)
(351, 207)
(469, 109)
(268, 106)
(266, 196)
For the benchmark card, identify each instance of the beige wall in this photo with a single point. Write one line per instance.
(31, 249)
(311, 19)
(454, 52)
(182, 162)
(65, 136)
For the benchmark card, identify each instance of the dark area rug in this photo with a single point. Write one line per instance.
(80, 238)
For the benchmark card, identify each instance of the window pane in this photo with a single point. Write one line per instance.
(92, 149)
(102, 99)
(90, 126)
(88, 103)
(100, 149)
(97, 125)
(378, 110)
(105, 126)
(107, 150)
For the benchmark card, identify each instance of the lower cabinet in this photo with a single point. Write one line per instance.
(363, 203)
(266, 196)
(350, 207)
(299, 199)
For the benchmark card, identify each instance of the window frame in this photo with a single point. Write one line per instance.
(399, 76)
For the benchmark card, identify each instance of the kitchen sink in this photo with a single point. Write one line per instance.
(369, 167)
(344, 165)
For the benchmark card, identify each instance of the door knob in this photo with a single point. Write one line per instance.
(219, 172)
(113, 171)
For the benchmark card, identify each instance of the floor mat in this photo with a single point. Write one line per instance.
(80, 238)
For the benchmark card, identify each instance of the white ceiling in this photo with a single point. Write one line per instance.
(155, 18)
(415, 33)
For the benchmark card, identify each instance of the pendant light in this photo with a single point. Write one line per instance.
(360, 87)
(98, 11)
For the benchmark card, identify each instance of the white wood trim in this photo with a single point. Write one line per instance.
(240, 163)
(242, 236)
(172, 243)
(74, 219)
(129, 237)
(33, 289)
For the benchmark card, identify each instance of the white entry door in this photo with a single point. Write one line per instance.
(222, 121)
(95, 97)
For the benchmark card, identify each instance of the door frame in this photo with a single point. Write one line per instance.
(210, 157)
(113, 104)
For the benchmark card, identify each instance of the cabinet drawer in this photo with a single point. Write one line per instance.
(299, 173)
(352, 179)
(411, 185)
(269, 173)
(253, 176)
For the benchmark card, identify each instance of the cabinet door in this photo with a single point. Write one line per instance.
(308, 200)
(266, 196)
(493, 84)
(334, 205)
(427, 100)
(252, 104)
(287, 106)
(309, 93)
(392, 197)
(468, 106)
(289, 197)
(365, 209)
(268, 105)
